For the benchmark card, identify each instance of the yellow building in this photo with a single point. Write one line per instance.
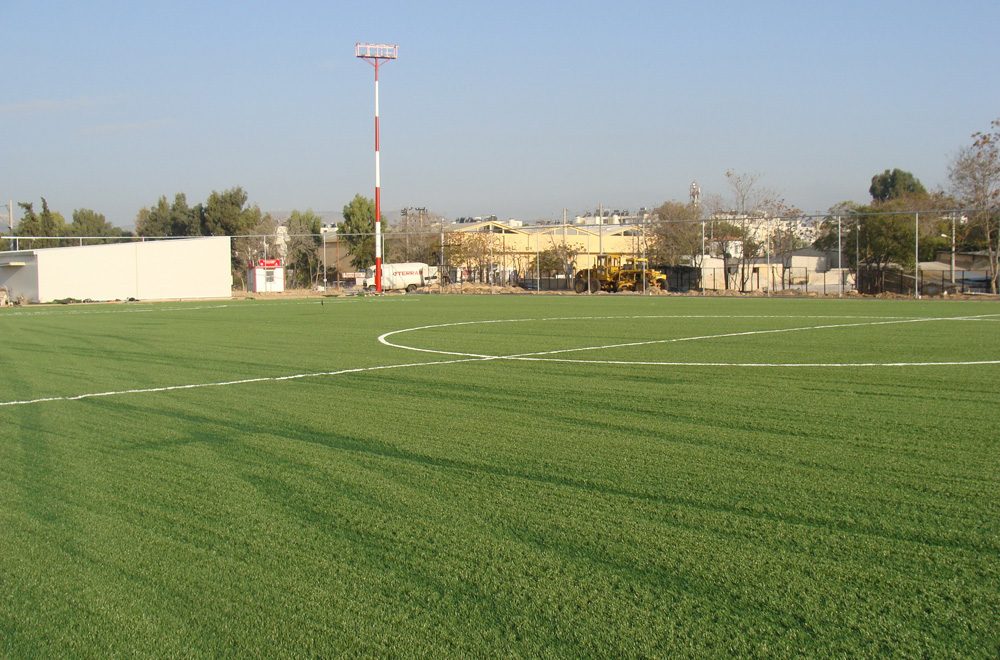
(475, 249)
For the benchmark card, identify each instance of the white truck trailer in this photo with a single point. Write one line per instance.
(402, 277)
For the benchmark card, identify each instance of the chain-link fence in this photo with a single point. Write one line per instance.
(785, 258)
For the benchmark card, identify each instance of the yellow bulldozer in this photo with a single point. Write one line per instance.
(613, 274)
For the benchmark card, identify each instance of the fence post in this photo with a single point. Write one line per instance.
(916, 255)
(806, 268)
(538, 267)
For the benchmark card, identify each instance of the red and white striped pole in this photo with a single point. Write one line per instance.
(374, 53)
(378, 197)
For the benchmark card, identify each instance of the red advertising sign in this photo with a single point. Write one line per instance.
(268, 263)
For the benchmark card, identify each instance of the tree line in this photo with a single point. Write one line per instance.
(225, 213)
(880, 231)
(48, 223)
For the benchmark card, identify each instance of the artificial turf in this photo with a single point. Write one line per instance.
(591, 503)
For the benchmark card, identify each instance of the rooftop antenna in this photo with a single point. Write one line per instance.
(375, 54)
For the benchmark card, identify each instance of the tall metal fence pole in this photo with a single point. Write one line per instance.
(916, 256)
(840, 258)
(538, 266)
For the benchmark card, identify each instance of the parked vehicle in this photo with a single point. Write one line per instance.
(402, 277)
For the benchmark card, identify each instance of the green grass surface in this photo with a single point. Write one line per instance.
(487, 507)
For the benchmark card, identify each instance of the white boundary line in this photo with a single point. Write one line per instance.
(243, 381)
(534, 357)
(134, 308)
(121, 310)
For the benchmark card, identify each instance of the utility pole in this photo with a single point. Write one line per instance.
(767, 249)
(916, 256)
(322, 236)
(953, 219)
(642, 248)
(565, 248)
(840, 259)
(374, 54)
(10, 222)
(441, 274)
(405, 216)
(702, 242)
(538, 266)
(857, 254)
(600, 228)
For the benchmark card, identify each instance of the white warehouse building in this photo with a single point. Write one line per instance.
(143, 270)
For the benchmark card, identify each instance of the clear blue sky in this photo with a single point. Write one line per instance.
(513, 108)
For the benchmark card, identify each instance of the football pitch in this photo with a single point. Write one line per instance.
(501, 475)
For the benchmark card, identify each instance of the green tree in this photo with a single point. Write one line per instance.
(226, 214)
(91, 224)
(304, 239)
(883, 232)
(358, 231)
(184, 220)
(46, 223)
(882, 240)
(880, 236)
(166, 219)
(675, 234)
(895, 184)
(154, 221)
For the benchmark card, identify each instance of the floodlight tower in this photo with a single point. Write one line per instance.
(374, 54)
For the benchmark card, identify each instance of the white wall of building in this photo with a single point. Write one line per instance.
(196, 268)
(149, 270)
(19, 280)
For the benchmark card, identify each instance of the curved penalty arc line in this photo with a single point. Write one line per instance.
(542, 356)
(545, 356)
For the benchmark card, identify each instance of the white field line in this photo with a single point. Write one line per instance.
(122, 310)
(129, 308)
(753, 364)
(475, 357)
(384, 337)
(225, 383)
(537, 356)
(748, 333)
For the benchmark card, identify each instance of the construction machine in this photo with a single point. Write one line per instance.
(613, 274)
